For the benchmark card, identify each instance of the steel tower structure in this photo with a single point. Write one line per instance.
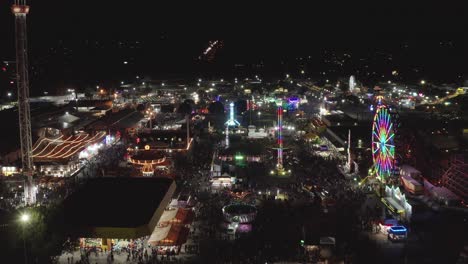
(279, 169)
(279, 163)
(20, 9)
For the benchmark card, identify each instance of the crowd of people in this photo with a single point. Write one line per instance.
(137, 252)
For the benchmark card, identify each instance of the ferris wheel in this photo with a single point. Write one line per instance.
(383, 147)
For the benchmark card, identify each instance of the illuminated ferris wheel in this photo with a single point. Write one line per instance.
(383, 147)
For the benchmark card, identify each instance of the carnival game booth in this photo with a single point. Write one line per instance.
(116, 211)
(60, 156)
(396, 203)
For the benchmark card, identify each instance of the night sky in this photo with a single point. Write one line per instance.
(173, 35)
(280, 26)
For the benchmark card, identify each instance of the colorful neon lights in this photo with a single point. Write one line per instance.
(383, 147)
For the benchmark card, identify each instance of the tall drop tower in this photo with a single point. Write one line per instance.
(20, 10)
(231, 121)
(279, 168)
(279, 163)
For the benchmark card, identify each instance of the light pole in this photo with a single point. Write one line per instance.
(24, 220)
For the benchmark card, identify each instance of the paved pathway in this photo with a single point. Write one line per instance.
(102, 258)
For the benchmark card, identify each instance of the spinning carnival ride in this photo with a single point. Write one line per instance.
(383, 147)
(279, 170)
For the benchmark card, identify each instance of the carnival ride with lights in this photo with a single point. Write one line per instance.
(293, 103)
(239, 213)
(232, 122)
(20, 9)
(147, 161)
(279, 170)
(383, 147)
(378, 100)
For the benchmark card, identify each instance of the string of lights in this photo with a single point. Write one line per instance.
(39, 142)
(74, 149)
(56, 146)
(71, 147)
(45, 148)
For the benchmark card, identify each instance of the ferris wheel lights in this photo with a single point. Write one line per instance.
(383, 148)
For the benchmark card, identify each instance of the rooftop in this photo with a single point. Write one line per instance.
(125, 118)
(131, 202)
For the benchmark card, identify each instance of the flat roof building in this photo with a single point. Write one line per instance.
(118, 208)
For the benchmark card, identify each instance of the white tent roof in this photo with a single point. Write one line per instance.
(168, 215)
(67, 118)
(159, 233)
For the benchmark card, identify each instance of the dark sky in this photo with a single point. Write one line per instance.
(174, 33)
(268, 26)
